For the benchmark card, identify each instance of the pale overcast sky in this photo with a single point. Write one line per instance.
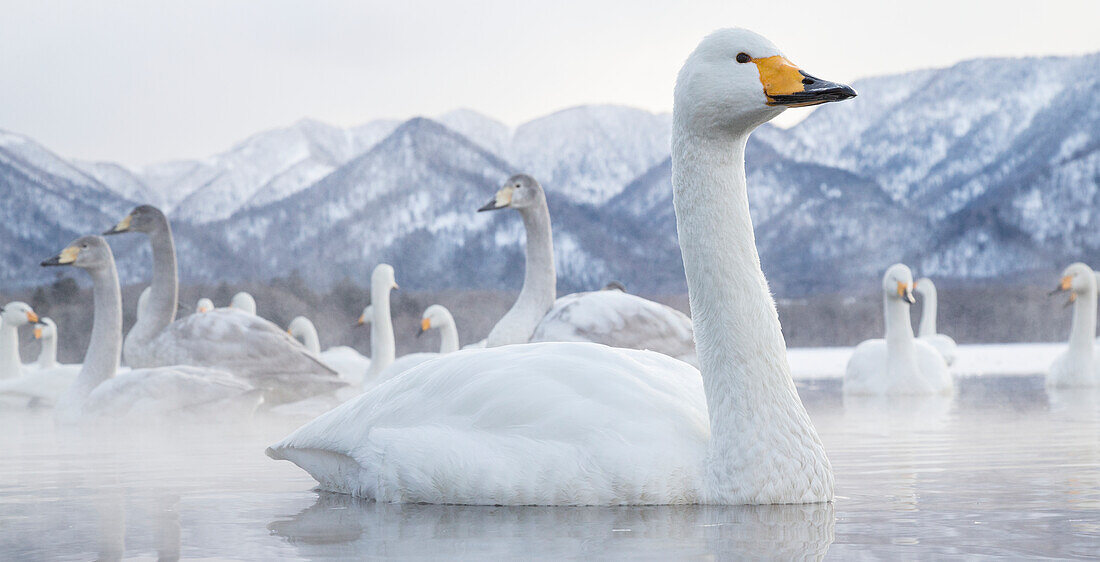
(142, 81)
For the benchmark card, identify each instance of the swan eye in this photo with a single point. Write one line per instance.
(743, 58)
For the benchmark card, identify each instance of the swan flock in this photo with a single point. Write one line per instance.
(592, 398)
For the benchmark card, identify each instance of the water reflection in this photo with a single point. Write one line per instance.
(367, 528)
(1004, 469)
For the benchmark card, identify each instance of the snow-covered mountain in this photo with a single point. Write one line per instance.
(989, 169)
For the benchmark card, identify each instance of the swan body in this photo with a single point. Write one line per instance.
(1076, 367)
(244, 344)
(98, 392)
(899, 364)
(581, 423)
(926, 332)
(619, 319)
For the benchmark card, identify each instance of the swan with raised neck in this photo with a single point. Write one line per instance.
(12, 316)
(160, 309)
(613, 318)
(1076, 366)
(46, 333)
(524, 194)
(898, 364)
(926, 331)
(382, 346)
(580, 423)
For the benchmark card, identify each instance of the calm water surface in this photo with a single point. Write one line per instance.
(1002, 469)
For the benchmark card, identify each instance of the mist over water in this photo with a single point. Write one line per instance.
(1002, 469)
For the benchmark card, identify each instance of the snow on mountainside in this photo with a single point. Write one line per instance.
(987, 169)
(269, 166)
(486, 132)
(590, 153)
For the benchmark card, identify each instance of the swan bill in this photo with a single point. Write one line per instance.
(905, 293)
(66, 257)
(502, 200)
(122, 226)
(37, 332)
(425, 325)
(787, 85)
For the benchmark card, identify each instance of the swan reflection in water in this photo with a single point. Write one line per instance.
(367, 528)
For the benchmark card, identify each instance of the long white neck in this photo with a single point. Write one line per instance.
(47, 357)
(11, 364)
(899, 330)
(160, 310)
(759, 427)
(448, 335)
(382, 347)
(1082, 333)
(539, 281)
(104, 347)
(928, 312)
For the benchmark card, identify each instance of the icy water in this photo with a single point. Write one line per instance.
(1002, 469)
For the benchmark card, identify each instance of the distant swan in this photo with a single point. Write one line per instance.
(1076, 367)
(435, 316)
(12, 316)
(203, 305)
(348, 362)
(582, 423)
(244, 344)
(899, 364)
(244, 302)
(98, 392)
(927, 329)
(45, 380)
(610, 317)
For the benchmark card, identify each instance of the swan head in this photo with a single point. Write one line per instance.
(897, 283)
(244, 302)
(144, 218)
(299, 326)
(1077, 279)
(86, 252)
(18, 313)
(737, 80)
(383, 277)
(45, 329)
(435, 316)
(204, 305)
(366, 316)
(521, 191)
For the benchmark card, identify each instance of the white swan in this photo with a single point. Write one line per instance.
(1076, 367)
(224, 338)
(347, 361)
(12, 316)
(382, 346)
(926, 331)
(203, 305)
(899, 364)
(244, 302)
(610, 317)
(435, 316)
(45, 380)
(98, 392)
(45, 331)
(582, 423)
